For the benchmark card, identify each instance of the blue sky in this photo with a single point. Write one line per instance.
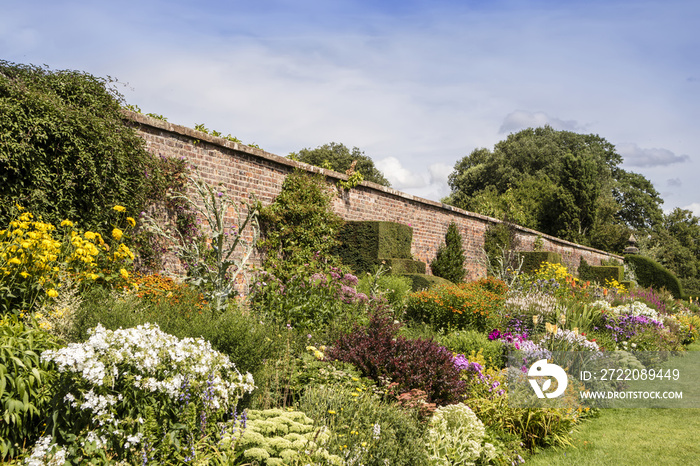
(415, 84)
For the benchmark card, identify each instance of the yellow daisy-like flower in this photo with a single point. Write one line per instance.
(52, 293)
(66, 223)
(117, 234)
(15, 261)
(90, 235)
(124, 273)
(119, 208)
(93, 276)
(24, 274)
(131, 221)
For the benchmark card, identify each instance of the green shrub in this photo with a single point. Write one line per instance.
(67, 151)
(471, 341)
(464, 306)
(308, 301)
(650, 273)
(366, 430)
(533, 260)
(600, 273)
(449, 260)
(299, 227)
(25, 382)
(536, 427)
(393, 288)
(420, 281)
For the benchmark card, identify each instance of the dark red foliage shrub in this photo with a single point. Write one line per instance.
(379, 353)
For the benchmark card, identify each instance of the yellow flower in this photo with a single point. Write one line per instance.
(330, 411)
(117, 234)
(124, 273)
(90, 235)
(15, 260)
(52, 293)
(119, 208)
(24, 274)
(93, 276)
(66, 223)
(131, 221)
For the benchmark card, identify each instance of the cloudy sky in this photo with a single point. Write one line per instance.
(415, 84)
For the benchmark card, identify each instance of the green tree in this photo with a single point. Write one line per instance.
(338, 157)
(449, 261)
(65, 149)
(558, 182)
(675, 244)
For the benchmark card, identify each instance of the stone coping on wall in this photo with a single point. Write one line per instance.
(146, 120)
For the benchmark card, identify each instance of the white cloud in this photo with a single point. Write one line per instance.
(399, 177)
(674, 182)
(635, 156)
(519, 119)
(694, 207)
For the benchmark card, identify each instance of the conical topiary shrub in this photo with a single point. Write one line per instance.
(449, 261)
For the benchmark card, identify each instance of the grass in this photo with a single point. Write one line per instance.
(632, 437)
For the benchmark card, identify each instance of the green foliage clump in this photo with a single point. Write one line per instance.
(393, 288)
(470, 342)
(449, 261)
(66, 150)
(533, 260)
(299, 227)
(338, 157)
(365, 429)
(650, 273)
(25, 383)
(309, 300)
(275, 437)
(421, 281)
(464, 306)
(456, 436)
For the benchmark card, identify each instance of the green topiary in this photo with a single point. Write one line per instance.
(449, 261)
(600, 273)
(650, 273)
(366, 245)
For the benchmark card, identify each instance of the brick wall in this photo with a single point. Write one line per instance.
(245, 170)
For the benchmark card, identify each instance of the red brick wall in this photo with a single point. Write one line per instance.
(245, 170)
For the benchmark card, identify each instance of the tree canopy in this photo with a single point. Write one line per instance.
(338, 157)
(675, 244)
(561, 183)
